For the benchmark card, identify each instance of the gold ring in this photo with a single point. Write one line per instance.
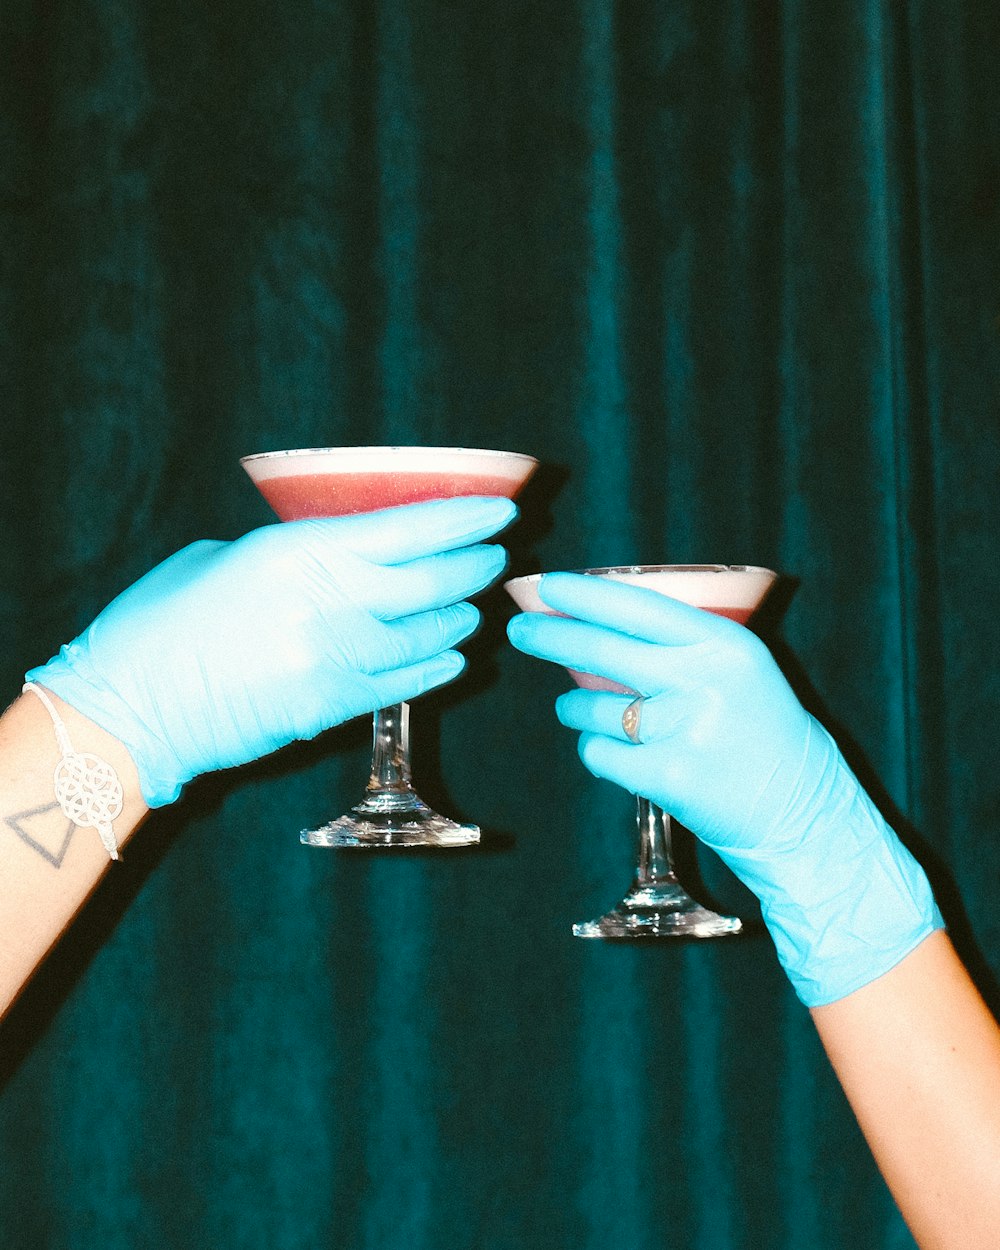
(631, 718)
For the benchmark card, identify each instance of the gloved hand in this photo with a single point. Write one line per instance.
(229, 650)
(727, 748)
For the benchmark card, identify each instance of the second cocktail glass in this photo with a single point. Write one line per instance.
(657, 905)
(338, 481)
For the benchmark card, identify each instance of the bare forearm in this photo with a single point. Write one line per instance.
(48, 865)
(918, 1055)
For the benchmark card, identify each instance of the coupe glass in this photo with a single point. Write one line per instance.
(657, 905)
(337, 481)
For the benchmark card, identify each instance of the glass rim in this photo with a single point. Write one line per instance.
(410, 449)
(676, 568)
(653, 568)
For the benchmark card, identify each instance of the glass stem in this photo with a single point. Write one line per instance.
(390, 775)
(656, 861)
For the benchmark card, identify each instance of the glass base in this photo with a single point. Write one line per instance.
(663, 910)
(386, 823)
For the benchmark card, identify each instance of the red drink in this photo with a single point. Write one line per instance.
(589, 682)
(739, 615)
(742, 585)
(342, 481)
(338, 494)
(657, 905)
(306, 482)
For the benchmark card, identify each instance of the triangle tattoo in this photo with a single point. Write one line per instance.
(18, 821)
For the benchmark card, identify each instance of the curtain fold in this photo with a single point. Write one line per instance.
(730, 272)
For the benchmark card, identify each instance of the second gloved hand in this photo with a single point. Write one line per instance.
(728, 749)
(228, 650)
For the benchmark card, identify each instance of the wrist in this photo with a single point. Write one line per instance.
(48, 864)
(30, 790)
(68, 676)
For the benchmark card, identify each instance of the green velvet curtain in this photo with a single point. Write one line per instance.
(732, 272)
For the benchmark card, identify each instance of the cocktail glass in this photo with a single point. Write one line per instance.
(338, 481)
(657, 905)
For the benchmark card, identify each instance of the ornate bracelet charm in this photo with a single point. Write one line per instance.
(87, 788)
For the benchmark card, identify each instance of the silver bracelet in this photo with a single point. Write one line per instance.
(87, 787)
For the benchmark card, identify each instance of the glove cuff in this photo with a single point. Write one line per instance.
(847, 901)
(853, 918)
(158, 768)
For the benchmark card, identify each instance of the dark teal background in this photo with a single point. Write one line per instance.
(732, 272)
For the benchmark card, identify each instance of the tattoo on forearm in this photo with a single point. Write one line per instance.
(45, 829)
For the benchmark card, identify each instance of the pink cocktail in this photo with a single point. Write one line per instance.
(341, 481)
(657, 905)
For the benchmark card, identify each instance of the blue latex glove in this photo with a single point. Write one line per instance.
(229, 650)
(728, 749)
